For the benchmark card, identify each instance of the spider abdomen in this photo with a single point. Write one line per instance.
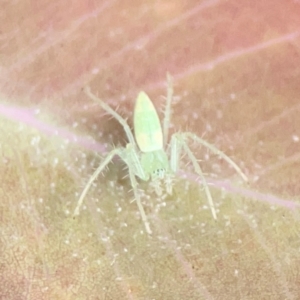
(147, 127)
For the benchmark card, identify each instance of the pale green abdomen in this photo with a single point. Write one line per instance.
(147, 128)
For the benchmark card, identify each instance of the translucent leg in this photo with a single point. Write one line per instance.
(138, 201)
(132, 159)
(177, 143)
(204, 182)
(108, 109)
(216, 151)
(167, 117)
(104, 163)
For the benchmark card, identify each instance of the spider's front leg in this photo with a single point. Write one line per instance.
(216, 151)
(178, 142)
(104, 163)
(132, 159)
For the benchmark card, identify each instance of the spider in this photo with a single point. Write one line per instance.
(148, 156)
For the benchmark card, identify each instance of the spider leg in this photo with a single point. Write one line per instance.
(167, 113)
(138, 200)
(177, 143)
(198, 170)
(104, 163)
(216, 151)
(119, 118)
(132, 160)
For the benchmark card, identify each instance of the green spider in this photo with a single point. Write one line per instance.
(148, 156)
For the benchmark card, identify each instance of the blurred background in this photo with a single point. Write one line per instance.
(235, 67)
